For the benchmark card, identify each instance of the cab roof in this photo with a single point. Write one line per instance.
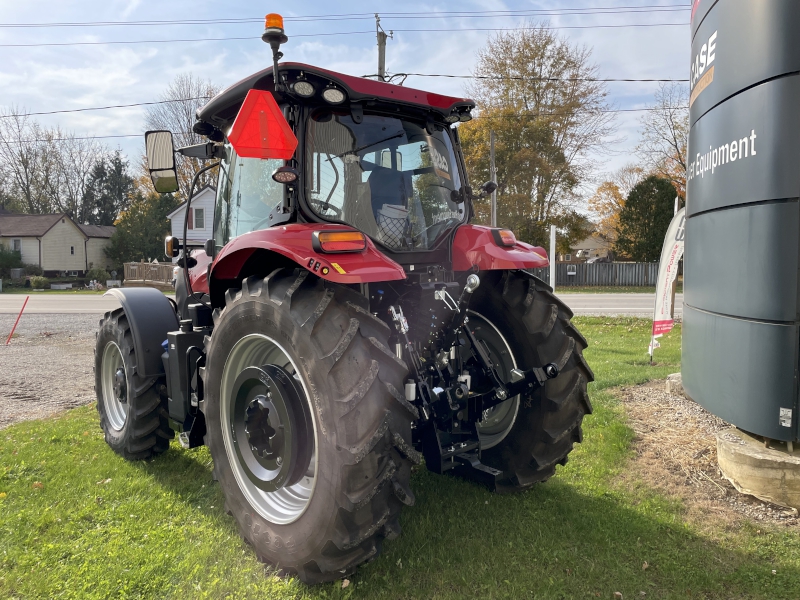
(221, 110)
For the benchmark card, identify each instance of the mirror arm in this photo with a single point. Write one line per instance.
(202, 151)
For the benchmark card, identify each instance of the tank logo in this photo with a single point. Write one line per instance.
(708, 162)
(702, 71)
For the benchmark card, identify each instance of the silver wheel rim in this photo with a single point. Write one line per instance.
(116, 411)
(287, 504)
(499, 420)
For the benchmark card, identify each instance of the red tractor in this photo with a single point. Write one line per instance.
(345, 322)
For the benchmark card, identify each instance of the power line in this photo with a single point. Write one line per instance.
(73, 110)
(555, 114)
(611, 10)
(520, 78)
(525, 115)
(223, 39)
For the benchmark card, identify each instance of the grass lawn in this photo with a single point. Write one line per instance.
(77, 521)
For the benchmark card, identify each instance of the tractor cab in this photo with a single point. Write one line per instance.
(379, 158)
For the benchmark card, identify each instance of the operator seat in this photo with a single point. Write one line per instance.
(388, 186)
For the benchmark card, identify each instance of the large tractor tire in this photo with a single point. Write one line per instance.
(524, 325)
(133, 415)
(306, 423)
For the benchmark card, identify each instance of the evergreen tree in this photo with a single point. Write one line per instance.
(644, 219)
(109, 190)
(141, 229)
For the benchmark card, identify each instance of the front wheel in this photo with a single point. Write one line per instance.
(524, 325)
(133, 415)
(310, 435)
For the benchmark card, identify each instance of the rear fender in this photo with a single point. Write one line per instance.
(474, 247)
(286, 245)
(150, 315)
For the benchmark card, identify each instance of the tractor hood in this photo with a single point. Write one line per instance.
(221, 110)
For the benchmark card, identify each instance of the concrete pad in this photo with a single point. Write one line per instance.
(769, 474)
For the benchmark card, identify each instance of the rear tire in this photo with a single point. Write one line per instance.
(335, 518)
(133, 415)
(536, 326)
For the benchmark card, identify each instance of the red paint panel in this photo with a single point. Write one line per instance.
(474, 245)
(198, 274)
(370, 87)
(294, 242)
(260, 129)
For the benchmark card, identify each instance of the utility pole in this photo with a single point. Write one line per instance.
(494, 178)
(553, 257)
(382, 35)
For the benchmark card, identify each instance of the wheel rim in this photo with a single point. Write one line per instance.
(498, 420)
(268, 429)
(114, 382)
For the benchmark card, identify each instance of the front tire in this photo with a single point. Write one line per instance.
(358, 451)
(528, 443)
(133, 415)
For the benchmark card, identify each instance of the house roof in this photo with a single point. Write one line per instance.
(593, 242)
(12, 225)
(195, 197)
(98, 231)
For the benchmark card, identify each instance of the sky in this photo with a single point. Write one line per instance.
(40, 77)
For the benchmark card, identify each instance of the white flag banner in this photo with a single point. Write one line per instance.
(671, 254)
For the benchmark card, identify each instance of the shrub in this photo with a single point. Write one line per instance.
(31, 269)
(99, 274)
(9, 259)
(38, 282)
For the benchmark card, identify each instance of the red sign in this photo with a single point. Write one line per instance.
(260, 129)
(662, 327)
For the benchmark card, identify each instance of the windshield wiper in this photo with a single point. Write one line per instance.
(357, 150)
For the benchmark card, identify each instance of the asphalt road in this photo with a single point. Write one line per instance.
(581, 304)
(638, 305)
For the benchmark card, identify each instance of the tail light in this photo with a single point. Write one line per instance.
(504, 237)
(339, 241)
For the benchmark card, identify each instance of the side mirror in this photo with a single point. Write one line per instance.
(209, 248)
(161, 161)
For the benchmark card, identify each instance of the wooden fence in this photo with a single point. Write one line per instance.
(611, 274)
(145, 273)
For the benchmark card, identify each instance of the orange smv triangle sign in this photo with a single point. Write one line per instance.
(260, 129)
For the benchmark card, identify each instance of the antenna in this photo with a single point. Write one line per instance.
(382, 35)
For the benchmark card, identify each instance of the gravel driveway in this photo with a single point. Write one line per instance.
(47, 367)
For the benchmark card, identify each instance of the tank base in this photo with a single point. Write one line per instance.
(769, 474)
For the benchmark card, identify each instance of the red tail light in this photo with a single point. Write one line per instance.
(339, 241)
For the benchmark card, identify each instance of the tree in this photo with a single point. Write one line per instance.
(141, 228)
(535, 91)
(181, 100)
(609, 199)
(27, 157)
(644, 220)
(108, 190)
(74, 159)
(665, 135)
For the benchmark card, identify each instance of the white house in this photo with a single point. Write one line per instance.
(55, 242)
(201, 215)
